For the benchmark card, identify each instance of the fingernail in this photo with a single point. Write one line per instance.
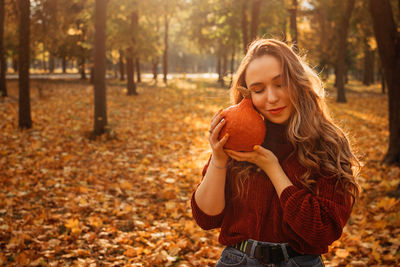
(222, 120)
(256, 147)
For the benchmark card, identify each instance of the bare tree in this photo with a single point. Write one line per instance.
(165, 55)
(100, 107)
(121, 65)
(341, 55)
(25, 120)
(130, 66)
(255, 13)
(387, 37)
(3, 66)
(245, 39)
(293, 26)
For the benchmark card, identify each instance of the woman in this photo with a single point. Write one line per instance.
(285, 202)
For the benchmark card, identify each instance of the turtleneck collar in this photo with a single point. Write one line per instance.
(276, 133)
(276, 140)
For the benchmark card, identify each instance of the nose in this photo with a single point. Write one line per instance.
(272, 96)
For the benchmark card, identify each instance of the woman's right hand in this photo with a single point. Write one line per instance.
(219, 155)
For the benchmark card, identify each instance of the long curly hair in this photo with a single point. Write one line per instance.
(321, 146)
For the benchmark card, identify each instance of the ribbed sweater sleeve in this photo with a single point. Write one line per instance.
(204, 220)
(316, 220)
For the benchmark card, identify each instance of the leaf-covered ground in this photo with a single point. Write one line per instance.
(124, 199)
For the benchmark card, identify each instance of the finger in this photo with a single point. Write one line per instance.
(217, 129)
(236, 155)
(261, 150)
(216, 115)
(223, 140)
(213, 137)
(216, 119)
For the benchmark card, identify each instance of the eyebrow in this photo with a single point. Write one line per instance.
(260, 83)
(276, 77)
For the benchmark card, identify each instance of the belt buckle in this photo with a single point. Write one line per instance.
(262, 254)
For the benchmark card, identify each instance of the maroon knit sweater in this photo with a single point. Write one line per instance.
(307, 221)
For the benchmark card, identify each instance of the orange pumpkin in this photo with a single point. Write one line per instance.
(244, 125)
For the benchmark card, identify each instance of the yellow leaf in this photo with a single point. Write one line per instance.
(71, 223)
(342, 253)
(376, 256)
(146, 161)
(95, 221)
(170, 205)
(173, 250)
(386, 203)
(130, 252)
(380, 224)
(83, 189)
(126, 185)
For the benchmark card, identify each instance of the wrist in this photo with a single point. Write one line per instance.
(272, 169)
(219, 163)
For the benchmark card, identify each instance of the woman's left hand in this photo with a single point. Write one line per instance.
(260, 156)
(268, 162)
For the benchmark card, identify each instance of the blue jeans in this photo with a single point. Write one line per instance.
(232, 257)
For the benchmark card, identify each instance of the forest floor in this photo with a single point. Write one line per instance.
(124, 198)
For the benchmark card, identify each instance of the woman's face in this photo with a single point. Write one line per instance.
(263, 78)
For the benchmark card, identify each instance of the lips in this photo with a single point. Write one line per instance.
(276, 111)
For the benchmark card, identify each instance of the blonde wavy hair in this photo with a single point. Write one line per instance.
(321, 146)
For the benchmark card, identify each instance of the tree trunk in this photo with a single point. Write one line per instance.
(219, 68)
(51, 63)
(372, 68)
(225, 66)
(130, 72)
(220, 71)
(382, 77)
(91, 74)
(293, 26)
(155, 70)
(284, 23)
(368, 77)
(15, 60)
(91, 66)
(3, 65)
(138, 75)
(130, 65)
(116, 70)
(165, 55)
(82, 68)
(387, 38)
(25, 120)
(341, 59)
(64, 64)
(245, 39)
(255, 12)
(100, 103)
(322, 55)
(44, 65)
(121, 65)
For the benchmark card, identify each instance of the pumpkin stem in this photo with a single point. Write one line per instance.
(244, 91)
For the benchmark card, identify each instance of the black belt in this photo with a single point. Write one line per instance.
(266, 253)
